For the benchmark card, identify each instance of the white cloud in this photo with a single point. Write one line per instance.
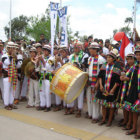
(83, 19)
(25, 7)
(89, 21)
(138, 17)
(110, 5)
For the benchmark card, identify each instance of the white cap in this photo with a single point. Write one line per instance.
(94, 45)
(10, 44)
(47, 47)
(16, 46)
(33, 49)
(114, 42)
(38, 45)
(115, 51)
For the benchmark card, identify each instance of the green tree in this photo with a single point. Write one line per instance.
(115, 31)
(41, 25)
(76, 34)
(18, 27)
(38, 26)
(126, 28)
(128, 21)
(82, 38)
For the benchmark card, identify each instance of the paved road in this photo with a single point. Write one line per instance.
(11, 129)
(29, 124)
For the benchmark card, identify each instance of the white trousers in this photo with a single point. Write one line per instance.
(52, 99)
(93, 108)
(1, 85)
(8, 92)
(80, 101)
(45, 96)
(71, 105)
(57, 100)
(24, 87)
(33, 92)
(17, 92)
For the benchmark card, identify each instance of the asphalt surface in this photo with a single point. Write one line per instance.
(30, 124)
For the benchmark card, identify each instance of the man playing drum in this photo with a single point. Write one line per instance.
(78, 56)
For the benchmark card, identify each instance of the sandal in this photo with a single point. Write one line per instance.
(109, 124)
(122, 124)
(13, 106)
(125, 128)
(39, 108)
(102, 123)
(137, 136)
(66, 112)
(95, 121)
(71, 112)
(8, 108)
(58, 108)
(47, 109)
(78, 114)
(28, 106)
(131, 133)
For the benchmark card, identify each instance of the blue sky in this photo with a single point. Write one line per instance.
(97, 17)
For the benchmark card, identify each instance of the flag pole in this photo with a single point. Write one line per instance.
(60, 23)
(135, 4)
(10, 20)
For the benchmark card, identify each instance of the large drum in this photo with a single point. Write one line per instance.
(68, 82)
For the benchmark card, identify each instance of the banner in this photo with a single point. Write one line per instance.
(63, 20)
(53, 17)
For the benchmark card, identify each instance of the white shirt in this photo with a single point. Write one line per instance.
(105, 50)
(20, 60)
(47, 68)
(7, 61)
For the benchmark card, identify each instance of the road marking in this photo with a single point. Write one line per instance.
(59, 128)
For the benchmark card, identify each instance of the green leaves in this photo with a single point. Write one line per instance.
(31, 27)
(18, 27)
(38, 26)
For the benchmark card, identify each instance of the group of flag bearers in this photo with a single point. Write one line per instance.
(111, 85)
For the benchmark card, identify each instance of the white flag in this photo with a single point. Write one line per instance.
(63, 19)
(53, 16)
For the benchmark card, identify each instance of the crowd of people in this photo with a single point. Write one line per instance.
(113, 83)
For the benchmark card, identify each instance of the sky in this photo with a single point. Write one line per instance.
(90, 17)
